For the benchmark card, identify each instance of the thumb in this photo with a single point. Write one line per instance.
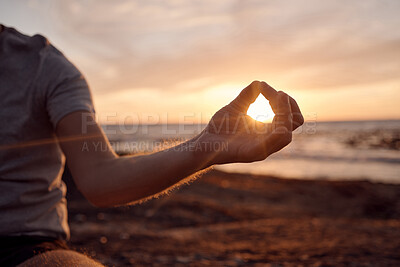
(247, 96)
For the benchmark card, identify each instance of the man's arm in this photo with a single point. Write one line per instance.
(106, 179)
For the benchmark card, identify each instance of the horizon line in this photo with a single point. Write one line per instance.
(205, 123)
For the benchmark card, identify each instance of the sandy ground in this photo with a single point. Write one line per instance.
(246, 220)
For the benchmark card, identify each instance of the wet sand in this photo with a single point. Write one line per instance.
(226, 219)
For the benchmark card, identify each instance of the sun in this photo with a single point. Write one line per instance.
(260, 110)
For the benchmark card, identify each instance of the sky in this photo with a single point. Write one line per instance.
(180, 60)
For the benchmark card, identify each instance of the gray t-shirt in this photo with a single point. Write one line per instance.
(38, 87)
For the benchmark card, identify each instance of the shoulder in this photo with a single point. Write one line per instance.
(15, 41)
(35, 48)
(56, 63)
(44, 59)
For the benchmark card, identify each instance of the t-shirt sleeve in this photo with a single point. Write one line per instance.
(67, 90)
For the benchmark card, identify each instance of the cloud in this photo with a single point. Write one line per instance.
(176, 45)
(163, 44)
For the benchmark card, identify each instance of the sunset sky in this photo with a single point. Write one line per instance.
(340, 59)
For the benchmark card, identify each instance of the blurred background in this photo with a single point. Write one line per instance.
(158, 71)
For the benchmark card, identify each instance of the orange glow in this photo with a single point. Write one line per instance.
(260, 110)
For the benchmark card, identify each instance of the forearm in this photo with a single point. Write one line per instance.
(123, 180)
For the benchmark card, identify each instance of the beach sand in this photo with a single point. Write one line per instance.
(226, 219)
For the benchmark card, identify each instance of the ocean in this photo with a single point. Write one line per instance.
(348, 150)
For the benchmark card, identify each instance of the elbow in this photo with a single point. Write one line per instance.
(107, 199)
(101, 196)
(97, 201)
(92, 192)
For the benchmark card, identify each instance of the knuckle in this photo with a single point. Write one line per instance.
(255, 84)
(282, 96)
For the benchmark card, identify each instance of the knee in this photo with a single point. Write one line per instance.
(60, 258)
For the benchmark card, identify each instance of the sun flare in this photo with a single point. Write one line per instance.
(260, 110)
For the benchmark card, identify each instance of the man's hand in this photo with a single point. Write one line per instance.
(233, 136)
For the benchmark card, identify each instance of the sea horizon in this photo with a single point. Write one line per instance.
(328, 150)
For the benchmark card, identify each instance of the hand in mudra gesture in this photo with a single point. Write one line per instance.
(243, 138)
